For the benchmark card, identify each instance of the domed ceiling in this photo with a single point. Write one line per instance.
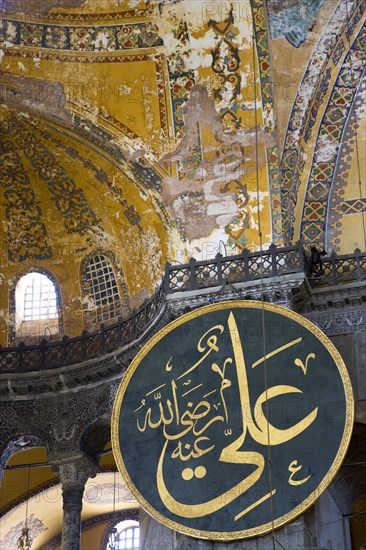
(136, 127)
(61, 199)
(149, 129)
(160, 130)
(171, 84)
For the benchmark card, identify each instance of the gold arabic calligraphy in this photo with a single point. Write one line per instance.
(195, 421)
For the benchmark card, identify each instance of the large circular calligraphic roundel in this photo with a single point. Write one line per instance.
(232, 420)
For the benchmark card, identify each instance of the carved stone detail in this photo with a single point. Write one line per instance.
(73, 470)
(330, 299)
(288, 291)
(337, 323)
(57, 424)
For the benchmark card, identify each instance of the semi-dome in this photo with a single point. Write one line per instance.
(212, 135)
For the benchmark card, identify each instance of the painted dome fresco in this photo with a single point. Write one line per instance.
(159, 131)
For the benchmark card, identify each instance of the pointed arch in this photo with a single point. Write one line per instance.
(323, 67)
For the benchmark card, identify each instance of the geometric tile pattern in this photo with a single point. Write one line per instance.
(315, 83)
(327, 147)
(353, 206)
(81, 39)
(337, 205)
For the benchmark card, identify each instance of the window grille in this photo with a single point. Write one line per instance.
(40, 300)
(103, 288)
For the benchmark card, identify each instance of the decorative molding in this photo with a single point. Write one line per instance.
(107, 38)
(144, 8)
(337, 205)
(325, 59)
(330, 299)
(59, 425)
(288, 291)
(341, 322)
(267, 98)
(328, 143)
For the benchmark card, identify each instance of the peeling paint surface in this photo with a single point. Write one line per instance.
(204, 146)
(293, 19)
(46, 99)
(61, 200)
(34, 6)
(135, 132)
(149, 129)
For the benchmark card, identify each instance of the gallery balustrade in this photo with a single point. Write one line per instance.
(193, 276)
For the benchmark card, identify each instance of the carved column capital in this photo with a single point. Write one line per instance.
(73, 470)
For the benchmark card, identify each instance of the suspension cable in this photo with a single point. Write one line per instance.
(260, 235)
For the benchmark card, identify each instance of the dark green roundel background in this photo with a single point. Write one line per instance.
(315, 449)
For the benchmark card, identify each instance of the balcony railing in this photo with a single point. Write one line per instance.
(342, 269)
(68, 351)
(248, 266)
(193, 276)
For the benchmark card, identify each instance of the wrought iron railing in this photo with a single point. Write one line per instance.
(67, 351)
(195, 275)
(341, 269)
(248, 266)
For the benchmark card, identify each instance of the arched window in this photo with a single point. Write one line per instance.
(125, 535)
(102, 301)
(36, 308)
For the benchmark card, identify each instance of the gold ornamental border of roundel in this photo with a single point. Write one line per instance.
(218, 391)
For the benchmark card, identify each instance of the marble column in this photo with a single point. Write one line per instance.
(72, 503)
(73, 473)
